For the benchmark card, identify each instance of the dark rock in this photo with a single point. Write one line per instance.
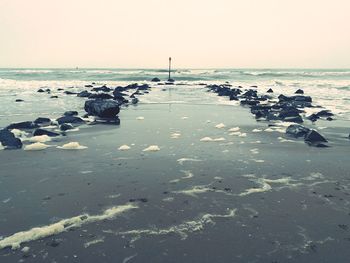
(70, 92)
(54, 97)
(102, 108)
(329, 119)
(19, 100)
(66, 126)
(103, 96)
(60, 89)
(104, 88)
(39, 132)
(249, 102)
(9, 140)
(70, 113)
(23, 125)
(299, 91)
(155, 80)
(84, 94)
(297, 119)
(70, 119)
(89, 86)
(269, 90)
(313, 117)
(41, 90)
(171, 80)
(324, 113)
(42, 121)
(233, 97)
(296, 130)
(313, 138)
(134, 100)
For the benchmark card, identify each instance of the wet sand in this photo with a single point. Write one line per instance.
(252, 198)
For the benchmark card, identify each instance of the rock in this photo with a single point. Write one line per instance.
(54, 97)
(23, 125)
(233, 97)
(66, 126)
(171, 80)
(313, 117)
(9, 140)
(70, 92)
(269, 90)
(103, 96)
(40, 90)
(329, 119)
(313, 138)
(84, 94)
(296, 130)
(249, 102)
(70, 119)
(297, 119)
(299, 91)
(89, 86)
(324, 113)
(104, 88)
(155, 80)
(119, 97)
(102, 108)
(19, 100)
(70, 113)
(60, 89)
(39, 132)
(42, 121)
(134, 100)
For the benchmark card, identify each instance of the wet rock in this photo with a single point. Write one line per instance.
(84, 94)
(233, 97)
(42, 121)
(39, 132)
(66, 127)
(324, 113)
(296, 119)
(54, 97)
(296, 130)
(70, 92)
(9, 140)
(269, 90)
(70, 119)
(313, 117)
(89, 86)
(118, 96)
(104, 88)
(329, 119)
(299, 91)
(134, 100)
(102, 108)
(155, 80)
(27, 125)
(249, 102)
(19, 100)
(60, 89)
(171, 80)
(313, 138)
(70, 113)
(40, 90)
(103, 96)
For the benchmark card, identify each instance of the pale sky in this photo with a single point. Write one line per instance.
(196, 33)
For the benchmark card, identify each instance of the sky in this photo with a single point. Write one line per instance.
(196, 33)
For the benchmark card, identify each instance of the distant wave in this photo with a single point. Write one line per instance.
(296, 73)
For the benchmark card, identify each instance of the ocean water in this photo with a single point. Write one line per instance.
(329, 88)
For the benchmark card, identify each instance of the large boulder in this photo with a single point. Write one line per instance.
(70, 119)
(27, 125)
(102, 108)
(296, 130)
(9, 141)
(66, 127)
(324, 113)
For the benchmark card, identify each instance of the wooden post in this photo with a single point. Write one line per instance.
(169, 68)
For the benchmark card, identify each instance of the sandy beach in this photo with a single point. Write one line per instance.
(200, 178)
